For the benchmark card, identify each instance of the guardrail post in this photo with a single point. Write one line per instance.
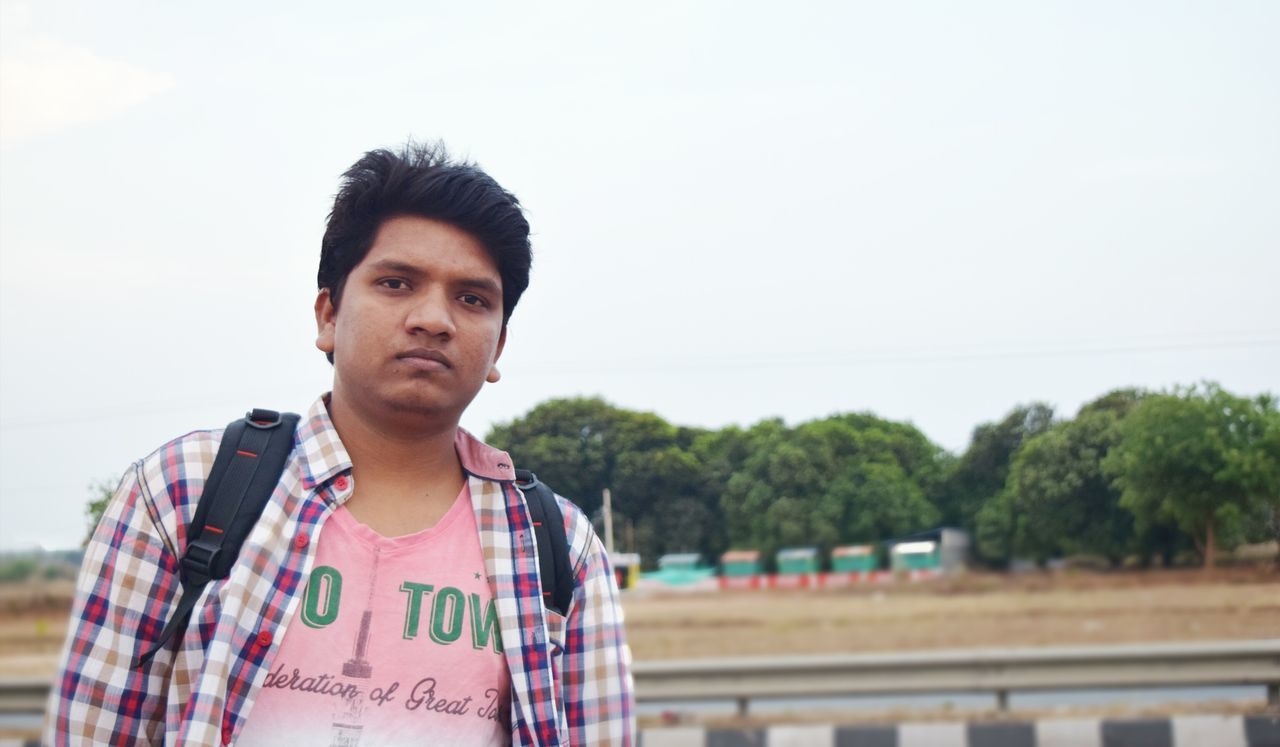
(1273, 694)
(742, 707)
(1002, 700)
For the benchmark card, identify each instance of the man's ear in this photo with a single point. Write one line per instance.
(493, 375)
(325, 313)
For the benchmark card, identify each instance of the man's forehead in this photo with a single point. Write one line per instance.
(414, 244)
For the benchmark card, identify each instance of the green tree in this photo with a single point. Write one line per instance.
(100, 492)
(659, 495)
(922, 461)
(1057, 489)
(841, 479)
(996, 530)
(17, 569)
(977, 479)
(581, 446)
(766, 502)
(1205, 459)
(568, 442)
(980, 473)
(877, 501)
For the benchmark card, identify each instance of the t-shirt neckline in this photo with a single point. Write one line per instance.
(370, 537)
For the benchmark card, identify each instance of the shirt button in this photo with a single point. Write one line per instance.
(226, 732)
(341, 483)
(301, 541)
(264, 639)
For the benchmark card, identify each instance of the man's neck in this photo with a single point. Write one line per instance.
(379, 448)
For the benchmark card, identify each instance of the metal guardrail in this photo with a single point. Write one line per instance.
(996, 671)
(22, 701)
(23, 695)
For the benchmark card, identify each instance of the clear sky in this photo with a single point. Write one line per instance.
(931, 211)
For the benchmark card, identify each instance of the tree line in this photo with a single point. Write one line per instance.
(1133, 474)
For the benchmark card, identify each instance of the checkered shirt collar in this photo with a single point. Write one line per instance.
(324, 457)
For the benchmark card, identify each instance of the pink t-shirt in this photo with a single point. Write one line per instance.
(395, 642)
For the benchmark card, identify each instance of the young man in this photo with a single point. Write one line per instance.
(389, 593)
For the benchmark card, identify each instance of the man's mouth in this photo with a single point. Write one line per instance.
(425, 359)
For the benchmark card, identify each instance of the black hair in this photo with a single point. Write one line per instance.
(423, 180)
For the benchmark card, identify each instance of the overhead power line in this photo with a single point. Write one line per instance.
(779, 360)
(811, 360)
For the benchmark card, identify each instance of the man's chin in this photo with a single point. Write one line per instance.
(405, 407)
(417, 407)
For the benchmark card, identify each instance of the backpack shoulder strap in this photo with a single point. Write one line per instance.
(553, 545)
(250, 460)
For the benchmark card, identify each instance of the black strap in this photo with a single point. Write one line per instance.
(248, 466)
(548, 528)
(245, 472)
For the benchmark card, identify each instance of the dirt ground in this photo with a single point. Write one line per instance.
(976, 610)
(973, 610)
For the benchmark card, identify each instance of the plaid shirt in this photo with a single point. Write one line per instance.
(570, 677)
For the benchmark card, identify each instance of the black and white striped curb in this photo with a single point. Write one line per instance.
(1179, 731)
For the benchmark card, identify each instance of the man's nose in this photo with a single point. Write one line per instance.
(430, 314)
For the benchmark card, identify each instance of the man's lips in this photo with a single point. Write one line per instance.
(425, 359)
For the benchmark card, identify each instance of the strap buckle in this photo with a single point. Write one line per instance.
(262, 419)
(198, 560)
(526, 480)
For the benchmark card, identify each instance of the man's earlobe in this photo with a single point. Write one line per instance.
(324, 321)
(494, 374)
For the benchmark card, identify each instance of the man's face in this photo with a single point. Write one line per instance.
(418, 328)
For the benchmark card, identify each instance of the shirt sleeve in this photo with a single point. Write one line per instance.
(598, 690)
(127, 582)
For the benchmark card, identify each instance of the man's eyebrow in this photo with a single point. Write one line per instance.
(392, 265)
(481, 284)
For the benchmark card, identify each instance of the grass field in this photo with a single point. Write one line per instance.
(969, 611)
(975, 610)
(972, 611)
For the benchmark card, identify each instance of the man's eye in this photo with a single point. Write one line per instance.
(472, 299)
(393, 283)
